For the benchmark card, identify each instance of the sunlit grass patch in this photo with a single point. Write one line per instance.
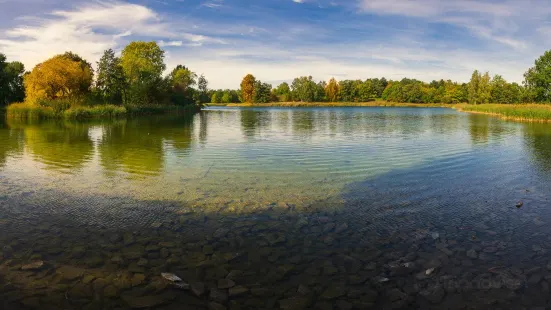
(519, 112)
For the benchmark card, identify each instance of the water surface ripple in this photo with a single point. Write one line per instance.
(276, 208)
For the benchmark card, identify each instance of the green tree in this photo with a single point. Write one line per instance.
(485, 88)
(111, 82)
(499, 90)
(304, 89)
(12, 88)
(537, 79)
(181, 81)
(203, 88)
(283, 92)
(348, 90)
(247, 88)
(143, 65)
(226, 97)
(214, 98)
(262, 92)
(143, 62)
(474, 88)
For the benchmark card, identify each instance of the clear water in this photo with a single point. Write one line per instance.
(321, 208)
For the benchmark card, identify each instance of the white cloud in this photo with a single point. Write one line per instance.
(497, 21)
(89, 30)
(169, 43)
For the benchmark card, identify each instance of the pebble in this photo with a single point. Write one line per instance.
(225, 283)
(472, 254)
(33, 266)
(237, 290)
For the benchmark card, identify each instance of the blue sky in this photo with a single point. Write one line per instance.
(277, 40)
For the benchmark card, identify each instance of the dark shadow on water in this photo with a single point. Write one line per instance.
(424, 237)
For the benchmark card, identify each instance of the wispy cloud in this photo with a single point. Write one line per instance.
(278, 40)
(90, 29)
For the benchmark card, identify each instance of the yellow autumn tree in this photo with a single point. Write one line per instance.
(332, 90)
(247, 88)
(59, 77)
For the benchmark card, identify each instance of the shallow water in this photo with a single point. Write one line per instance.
(322, 208)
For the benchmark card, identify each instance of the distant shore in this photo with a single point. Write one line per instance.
(336, 104)
(515, 112)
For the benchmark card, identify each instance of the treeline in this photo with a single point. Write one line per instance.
(136, 78)
(480, 89)
(11, 81)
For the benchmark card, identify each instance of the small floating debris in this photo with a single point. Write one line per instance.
(429, 271)
(519, 204)
(435, 235)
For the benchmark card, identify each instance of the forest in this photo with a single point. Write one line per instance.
(67, 85)
(481, 89)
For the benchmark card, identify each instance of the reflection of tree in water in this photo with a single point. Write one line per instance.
(11, 142)
(179, 132)
(537, 138)
(57, 144)
(303, 122)
(137, 146)
(203, 127)
(253, 121)
(483, 128)
(478, 128)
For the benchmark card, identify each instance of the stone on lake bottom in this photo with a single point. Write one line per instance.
(33, 266)
(225, 283)
(238, 290)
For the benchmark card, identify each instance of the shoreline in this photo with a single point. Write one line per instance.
(511, 112)
(25, 111)
(336, 104)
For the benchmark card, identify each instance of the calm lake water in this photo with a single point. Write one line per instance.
(276, 208)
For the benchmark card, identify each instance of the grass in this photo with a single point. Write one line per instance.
(29, 111)
(338, 104)
(107, 111)
(104, 111)
(517, 112)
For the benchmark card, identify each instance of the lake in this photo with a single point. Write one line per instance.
(276, 208)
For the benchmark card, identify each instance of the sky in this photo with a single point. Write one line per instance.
(278, 40)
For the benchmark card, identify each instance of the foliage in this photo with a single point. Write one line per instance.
(202, 87)
(305, 89)
(59, 77)
(538, 79)
(262, 92)
(282, 92)
(143, 65)
(11, 81)
(181, 82)
(247, 88)
(111, 83)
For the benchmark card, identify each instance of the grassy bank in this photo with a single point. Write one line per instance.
(338, 104)
(107, 111)
(517, 112)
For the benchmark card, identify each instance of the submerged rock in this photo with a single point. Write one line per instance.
(70, 273)
(140, 302)
(225, 283)
(33, 266)
(171, 277)
(472, 254)
(238, 290)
